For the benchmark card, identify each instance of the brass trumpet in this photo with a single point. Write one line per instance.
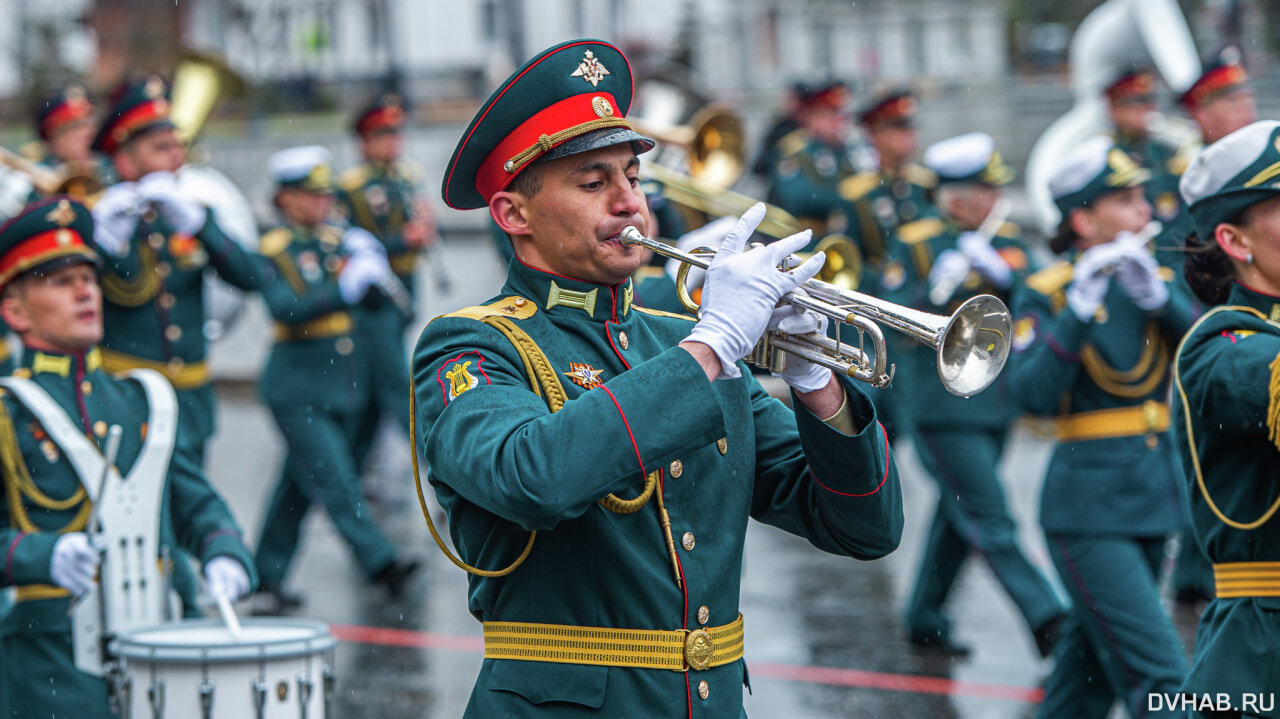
(972, 344)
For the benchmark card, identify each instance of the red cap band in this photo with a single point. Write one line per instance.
(66, 113)
(552, 123)
(391, 116)
(39, 249)
(141, 116)
(1214, 81)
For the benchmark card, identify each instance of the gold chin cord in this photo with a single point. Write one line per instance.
(972, 344)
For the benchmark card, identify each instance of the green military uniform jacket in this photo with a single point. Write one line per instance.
(315, 359)
(502, 464)
(6, 354)
(1062, 366)
(906, 280)
(806, 175)
(43, 496)
(655, 290)
(873, 205)
(380, 199)
(153, 308)
(1226, 418)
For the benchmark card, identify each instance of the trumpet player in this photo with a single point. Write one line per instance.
(1093, 337)
(634, 442)
(316, 379)
(967, 249)
(156, 244)
(382, 196)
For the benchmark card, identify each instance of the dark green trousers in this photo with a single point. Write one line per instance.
(972, 519)
(319, 469)
(1118, 643)
(381, 337)
(43, 681)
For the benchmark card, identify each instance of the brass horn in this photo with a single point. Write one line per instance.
(198, 81)
(972, 344)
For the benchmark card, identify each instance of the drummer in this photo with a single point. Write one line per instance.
(49, 296)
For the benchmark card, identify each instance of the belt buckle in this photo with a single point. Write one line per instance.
(697, 649)
(1150, 415)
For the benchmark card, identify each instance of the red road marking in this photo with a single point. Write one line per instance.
(787, 672)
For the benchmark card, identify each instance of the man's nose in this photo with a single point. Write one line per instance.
(626, 199)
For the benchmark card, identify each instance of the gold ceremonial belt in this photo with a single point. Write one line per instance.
(330, 325)
(404, 263)
(677, 650)
(182, 375)
(1150, 417)
(32, 592)
(1247, 579)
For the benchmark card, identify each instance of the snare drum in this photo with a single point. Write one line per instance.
(276, 669)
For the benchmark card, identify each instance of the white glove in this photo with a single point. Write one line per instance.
(949, 270)
(985, 259)
(358, 240)
(75, 562)
(225, 577)
(800, 374)
(181, 213)
(1139, 275)
(115, 217)
(1091, 277)
(361, 272)
(709, 235)
(742, 290)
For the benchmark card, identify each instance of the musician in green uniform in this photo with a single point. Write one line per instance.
(1220, 102)
(1226, 418)
(51, 299)
(381, 195)
(1131, 108)
(966, 249)
(810, 161)
(1093, 336)
(634, 443)
(316, 379)
(874, 203)
(157, 244)
(65, 124)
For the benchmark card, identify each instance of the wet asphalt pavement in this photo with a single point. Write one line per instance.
(824, 636)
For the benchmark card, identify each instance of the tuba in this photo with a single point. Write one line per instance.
(1116, 35)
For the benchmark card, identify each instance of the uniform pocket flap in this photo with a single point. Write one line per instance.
(544, 682)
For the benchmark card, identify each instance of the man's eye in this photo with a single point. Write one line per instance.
(593, 185)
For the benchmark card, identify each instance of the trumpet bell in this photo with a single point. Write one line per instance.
(716, 153)
(974, 345)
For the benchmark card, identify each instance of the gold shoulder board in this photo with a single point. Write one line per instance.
(1051, 279)
(514, 307)
(354, 178)
(855, 187)
(275, 241)
(792, 142)
(920, 175)
(920, 230)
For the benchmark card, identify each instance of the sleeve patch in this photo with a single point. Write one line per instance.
(460, 374)
(1237, 335)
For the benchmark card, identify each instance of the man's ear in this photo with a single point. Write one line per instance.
(1233, 242)
(509, 211)
(14, 311)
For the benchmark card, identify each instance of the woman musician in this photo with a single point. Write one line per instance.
(1226, 417)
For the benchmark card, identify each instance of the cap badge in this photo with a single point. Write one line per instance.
(153, 88)
(61, 215)
(584, 375)
(601, 106)
(590, 69)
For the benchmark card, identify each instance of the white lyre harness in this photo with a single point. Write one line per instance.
(133, 589)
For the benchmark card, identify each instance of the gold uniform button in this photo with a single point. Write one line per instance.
(100, 428)
(344, 346)
(86, 388)
(162, 270)
(722, 444)
(677, 468)
(704, 614)
(167, 300)
(622, 339)
(704, 689)
(173, 333)
(687, 541)
(176, 364)
(520, 301)
(156, 240)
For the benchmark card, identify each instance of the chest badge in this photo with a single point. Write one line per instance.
(309, 266)
(584, 375)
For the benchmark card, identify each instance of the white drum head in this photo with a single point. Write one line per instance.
(209, 640)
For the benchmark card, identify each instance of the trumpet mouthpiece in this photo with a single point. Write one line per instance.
(630, 235)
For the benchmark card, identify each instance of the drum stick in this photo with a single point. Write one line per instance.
(109, 455)
(229, 616)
